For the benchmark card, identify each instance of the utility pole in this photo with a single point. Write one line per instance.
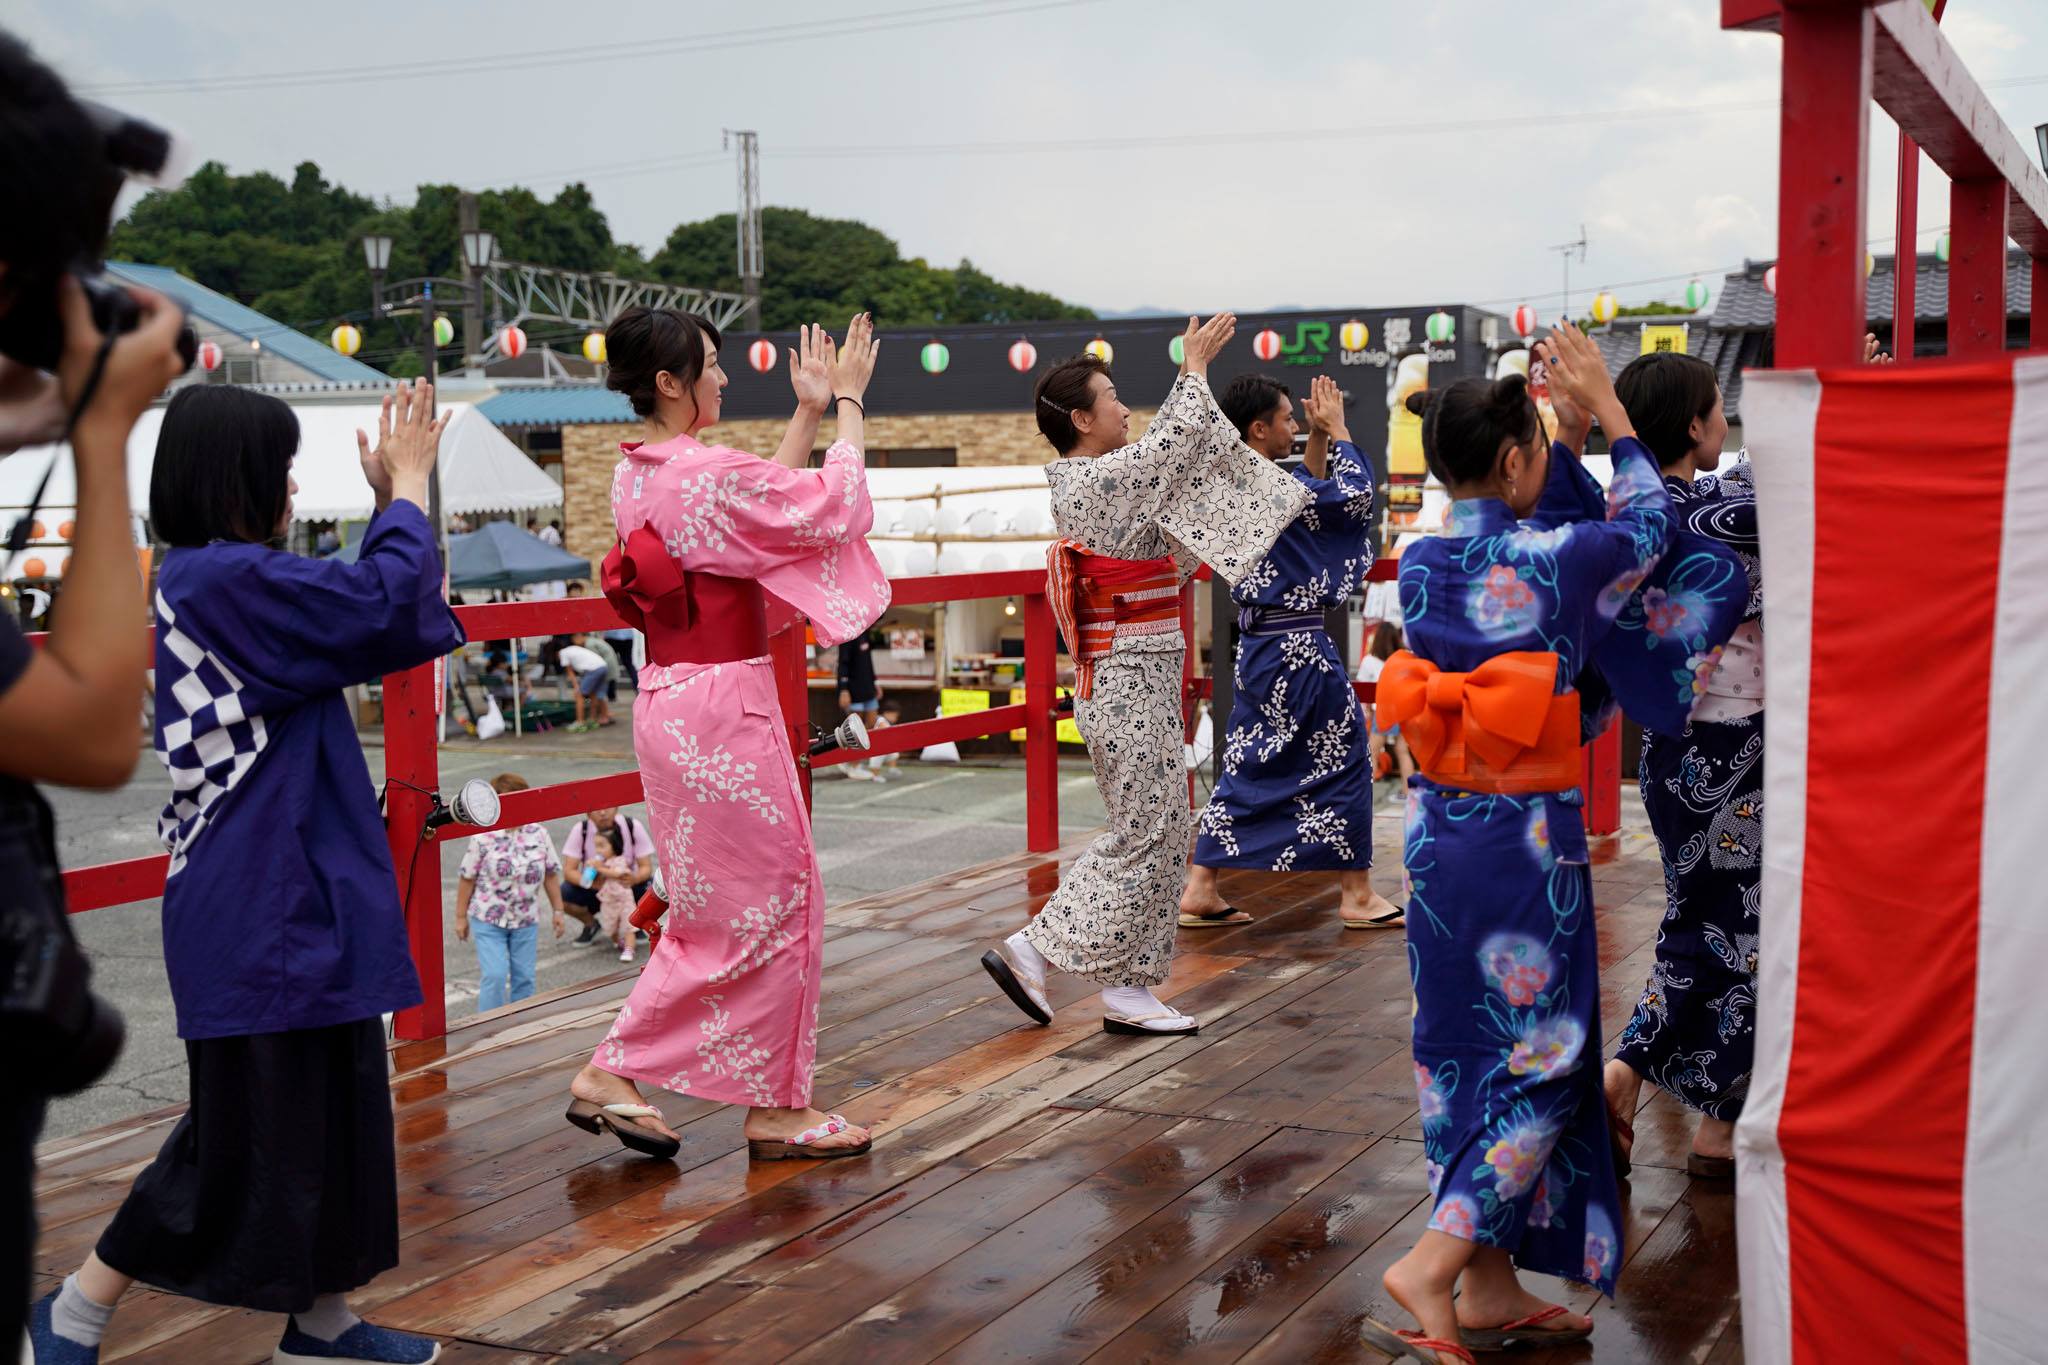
(1565, 250)
(428, 368)
(749, 220)
(472, 298)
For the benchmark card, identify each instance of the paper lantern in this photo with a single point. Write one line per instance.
(935, 357)
(1440, 327)
(1266, 344)
(1177, 350)
(1604, 308)
(761, 355)
(347, 339)
(1353, 336)
(1524, 320)
(444, 329)
(209, 355)
(593, 348)
(1023, 355)
(34, 568)
(1869, 265)
(65, 528)
(1101, 350)
(1771, 281)
(36, 530)
(1941, 248)
(1696, 296)
(511, 341)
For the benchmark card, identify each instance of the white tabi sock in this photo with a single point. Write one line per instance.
(327, 1319)
(75, 1317)
(1133, 1002)
(1026, 957)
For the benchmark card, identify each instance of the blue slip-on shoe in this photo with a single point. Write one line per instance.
(46, 1347)
(362, 1344)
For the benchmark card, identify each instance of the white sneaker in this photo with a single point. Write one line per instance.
(857, 774)
(626, 953)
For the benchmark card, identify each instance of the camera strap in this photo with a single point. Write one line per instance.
(17, 538)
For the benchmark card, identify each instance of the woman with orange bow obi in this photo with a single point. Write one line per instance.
(1501, 616)
(717, 549)
(1134, 521)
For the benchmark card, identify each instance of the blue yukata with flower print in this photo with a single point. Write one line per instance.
(1296, 790)
(1501, 940)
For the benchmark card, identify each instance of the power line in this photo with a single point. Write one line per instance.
(883, 21)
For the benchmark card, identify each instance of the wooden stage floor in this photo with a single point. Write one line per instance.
(1049, 1194)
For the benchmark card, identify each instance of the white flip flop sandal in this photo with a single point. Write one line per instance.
(1168, 1022)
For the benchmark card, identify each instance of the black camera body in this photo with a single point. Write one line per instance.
(32, 327)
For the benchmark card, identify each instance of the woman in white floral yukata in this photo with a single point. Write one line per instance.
(1135, 521)
(717, 550)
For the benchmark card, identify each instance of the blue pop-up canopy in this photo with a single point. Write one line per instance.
(500, 556)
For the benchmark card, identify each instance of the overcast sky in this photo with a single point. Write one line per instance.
(1229, 155)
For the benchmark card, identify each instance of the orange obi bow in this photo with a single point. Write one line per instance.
(1500, 728)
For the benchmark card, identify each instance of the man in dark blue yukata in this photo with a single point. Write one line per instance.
(1296, 791)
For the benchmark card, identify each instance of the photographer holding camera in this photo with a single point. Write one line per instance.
(87, 366)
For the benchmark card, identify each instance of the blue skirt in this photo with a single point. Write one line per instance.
(1505, 963)
(1694, 1030)
(1296, 790)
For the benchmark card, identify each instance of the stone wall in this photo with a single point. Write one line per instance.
(589, 454)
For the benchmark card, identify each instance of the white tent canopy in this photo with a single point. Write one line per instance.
(952, 520)
(481, 471)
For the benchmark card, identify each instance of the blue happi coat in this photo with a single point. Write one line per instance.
(1501, 937)
(281, 910)
(1296, 791)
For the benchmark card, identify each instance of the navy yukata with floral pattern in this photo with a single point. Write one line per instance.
(1296, 791)
(1501, 940)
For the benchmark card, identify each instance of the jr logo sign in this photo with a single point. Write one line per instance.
(1311, 344)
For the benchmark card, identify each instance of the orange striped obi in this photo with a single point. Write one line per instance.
(1502, 728)
(1098, 600)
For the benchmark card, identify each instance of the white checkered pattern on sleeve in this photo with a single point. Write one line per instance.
(204, 737)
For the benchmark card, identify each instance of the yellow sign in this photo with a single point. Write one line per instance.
(1066, 731)
(958, 701)
(1671, 339)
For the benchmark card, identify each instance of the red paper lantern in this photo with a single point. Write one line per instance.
(1023, 355)
(1266, 345)
(511, 342)
(1525, 320)
(209, 355)
(761, 355)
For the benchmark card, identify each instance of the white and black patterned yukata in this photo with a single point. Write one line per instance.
(1190, 488)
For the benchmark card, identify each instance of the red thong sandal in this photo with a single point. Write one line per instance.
(803, 1145)
(1411, 1345)
(1525, 1330)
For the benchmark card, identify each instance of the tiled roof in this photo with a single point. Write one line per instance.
(556, 406)
(1746, 304)
(223, 312)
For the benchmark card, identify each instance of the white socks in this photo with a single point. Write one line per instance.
(327, 1319)
(1026, 957)
(77, 1318)
(1133, 1002)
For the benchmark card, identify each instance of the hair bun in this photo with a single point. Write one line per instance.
(1418, 401)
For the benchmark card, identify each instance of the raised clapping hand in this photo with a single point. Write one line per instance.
(408, 443)
(1871, 355)
(1578, 372)
(810, 368)
(856, 363)
(1325, 404)
(1204, 341)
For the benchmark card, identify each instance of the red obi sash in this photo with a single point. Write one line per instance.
(1095, 596)
(1500, 728)
(689, 617)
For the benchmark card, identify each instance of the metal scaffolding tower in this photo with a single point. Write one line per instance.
(749, 221)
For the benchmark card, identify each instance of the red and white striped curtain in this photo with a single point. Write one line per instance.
(1893, 1190)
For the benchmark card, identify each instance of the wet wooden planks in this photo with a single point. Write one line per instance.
(1048, 1194)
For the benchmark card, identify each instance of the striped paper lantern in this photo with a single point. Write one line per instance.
(209, 355)
(1266, 344)
(761, 355)
(1696, 296)
(444, 329)
(1524, 320)
(512, 341)
(935, 357)
(1101, 350)
(1941, 248)
(1354, 336)
(1604, 308)
(593, 348)
(1771, 281)
(1440, 327)
(1023, 355)
(1177, 350)
(347, 338)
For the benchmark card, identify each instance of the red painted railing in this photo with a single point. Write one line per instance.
(412, 756)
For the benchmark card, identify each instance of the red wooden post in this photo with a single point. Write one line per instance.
(1823, 165)
(2037, 334)
(1041, 728)
(1603, 781)
(1976, 268)
(793, 690)
(1905, 254)
(410, 757)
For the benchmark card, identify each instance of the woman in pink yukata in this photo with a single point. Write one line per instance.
(716, 550)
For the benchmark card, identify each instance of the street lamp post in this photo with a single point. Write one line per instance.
(377, 256)
(479, 248)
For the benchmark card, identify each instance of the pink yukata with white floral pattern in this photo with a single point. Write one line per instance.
(727, 1007)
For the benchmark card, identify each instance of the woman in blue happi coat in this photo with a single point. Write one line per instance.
(1501, 616)
(283, 935)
